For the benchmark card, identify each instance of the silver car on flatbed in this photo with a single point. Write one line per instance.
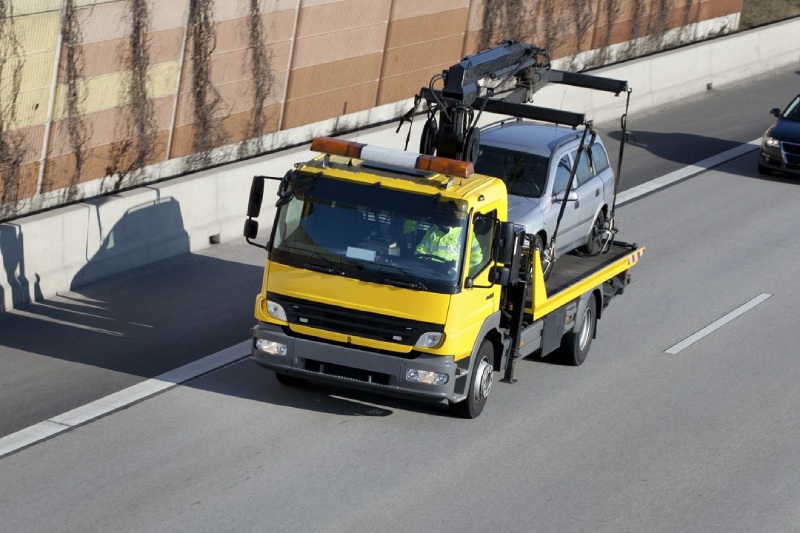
(534, 160)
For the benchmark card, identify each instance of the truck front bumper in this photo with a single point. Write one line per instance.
(352, 367)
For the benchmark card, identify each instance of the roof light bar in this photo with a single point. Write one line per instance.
(391, 156)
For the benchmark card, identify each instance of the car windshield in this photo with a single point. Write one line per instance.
(524, 174)
(370, 232)
(792, 111)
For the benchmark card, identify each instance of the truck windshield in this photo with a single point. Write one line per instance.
(524, 174)
(370, 232)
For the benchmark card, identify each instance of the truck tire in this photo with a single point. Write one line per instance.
(480, 384)
(290, 381)
(575, 344)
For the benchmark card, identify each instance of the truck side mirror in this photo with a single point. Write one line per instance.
(505, 242)
(250, 229)
(256, 195)
(500, 276)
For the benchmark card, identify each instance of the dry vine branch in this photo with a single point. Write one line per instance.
(12, 148)
(136, 149)
(263, 79)
(206, 98)
(76, 126)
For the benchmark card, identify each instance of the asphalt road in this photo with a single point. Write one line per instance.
(636, 439)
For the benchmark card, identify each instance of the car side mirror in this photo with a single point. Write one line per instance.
(775, 111)
(572, 197)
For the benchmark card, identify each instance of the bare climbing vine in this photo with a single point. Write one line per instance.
(136, 149)
(503, 19)
(77, 130)
(583, 18)
(12, 148)
(206, 99)
(262, 76)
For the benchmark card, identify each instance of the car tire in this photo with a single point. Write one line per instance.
(544, 255)
(594, 245)
(764, 171)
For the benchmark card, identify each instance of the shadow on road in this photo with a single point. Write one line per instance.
(249, 381)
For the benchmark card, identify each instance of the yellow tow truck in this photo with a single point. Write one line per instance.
(399, 272)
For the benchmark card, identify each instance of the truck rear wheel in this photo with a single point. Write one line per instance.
(480, 384)
(575, 345)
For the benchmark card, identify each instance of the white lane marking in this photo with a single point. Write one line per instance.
(81, 415)
(685, 172)
(717, 324)
(136, 393)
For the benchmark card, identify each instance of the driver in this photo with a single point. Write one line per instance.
(444, 242)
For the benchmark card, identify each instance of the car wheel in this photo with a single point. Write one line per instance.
(764, 170)
(595, 243)
(545, 256)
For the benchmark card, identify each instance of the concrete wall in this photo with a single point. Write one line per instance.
(63, 249)
(99, 96)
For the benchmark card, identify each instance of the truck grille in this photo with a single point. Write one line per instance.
(351, 322)
(346, 372)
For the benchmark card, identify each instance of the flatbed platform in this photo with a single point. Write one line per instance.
(572, 268)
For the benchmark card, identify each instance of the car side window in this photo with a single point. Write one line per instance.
(599, 158)
(562, 175)
(584, 173)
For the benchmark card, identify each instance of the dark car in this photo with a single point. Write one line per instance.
(780, 145)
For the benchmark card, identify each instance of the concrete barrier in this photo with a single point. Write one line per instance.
(62, 249)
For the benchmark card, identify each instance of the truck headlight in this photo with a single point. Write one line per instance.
(771, 142)
(426, 376)
(275, 310)
(431, 339)
(271, 347)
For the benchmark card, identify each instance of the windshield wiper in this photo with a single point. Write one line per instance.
(407, 281)
(309, 261)
(330, 268)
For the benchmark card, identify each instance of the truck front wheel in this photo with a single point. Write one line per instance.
(480, 384)
(575, 344)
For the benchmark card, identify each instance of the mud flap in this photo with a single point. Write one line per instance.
(553, 330)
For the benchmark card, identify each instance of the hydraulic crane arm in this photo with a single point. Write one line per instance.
(500, 80)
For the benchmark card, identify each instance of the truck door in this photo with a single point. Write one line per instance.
(480, 298)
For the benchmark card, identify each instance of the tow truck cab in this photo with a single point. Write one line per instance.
(348, 294)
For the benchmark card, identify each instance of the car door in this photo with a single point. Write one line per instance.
(602, 168)
(589, 188)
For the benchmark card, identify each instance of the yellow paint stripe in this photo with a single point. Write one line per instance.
(104, 92)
